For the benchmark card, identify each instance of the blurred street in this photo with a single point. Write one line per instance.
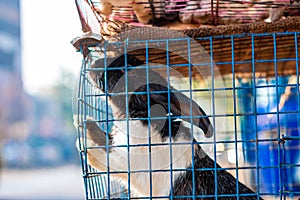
(60, 183)
(38, 157)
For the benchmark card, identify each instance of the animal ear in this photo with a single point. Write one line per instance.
(181, 105)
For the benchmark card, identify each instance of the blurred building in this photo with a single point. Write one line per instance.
(12, 96)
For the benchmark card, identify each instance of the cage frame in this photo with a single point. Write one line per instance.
(222, 36)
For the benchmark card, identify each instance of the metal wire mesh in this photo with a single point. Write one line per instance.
(255, 119)
(237, 16)
(209, 12)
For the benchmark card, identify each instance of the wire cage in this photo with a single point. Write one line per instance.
(244, 76)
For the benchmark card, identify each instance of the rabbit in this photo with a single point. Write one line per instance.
(151, 150)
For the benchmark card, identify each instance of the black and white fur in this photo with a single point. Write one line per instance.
(159, 132)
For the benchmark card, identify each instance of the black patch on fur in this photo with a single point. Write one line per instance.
(140, 85)
(205, 181)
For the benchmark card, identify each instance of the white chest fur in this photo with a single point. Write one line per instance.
(150, 158)
(148, 163)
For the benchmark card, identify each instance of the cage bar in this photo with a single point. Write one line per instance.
(249, 88)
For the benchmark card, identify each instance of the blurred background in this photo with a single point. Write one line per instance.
(38, 68)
